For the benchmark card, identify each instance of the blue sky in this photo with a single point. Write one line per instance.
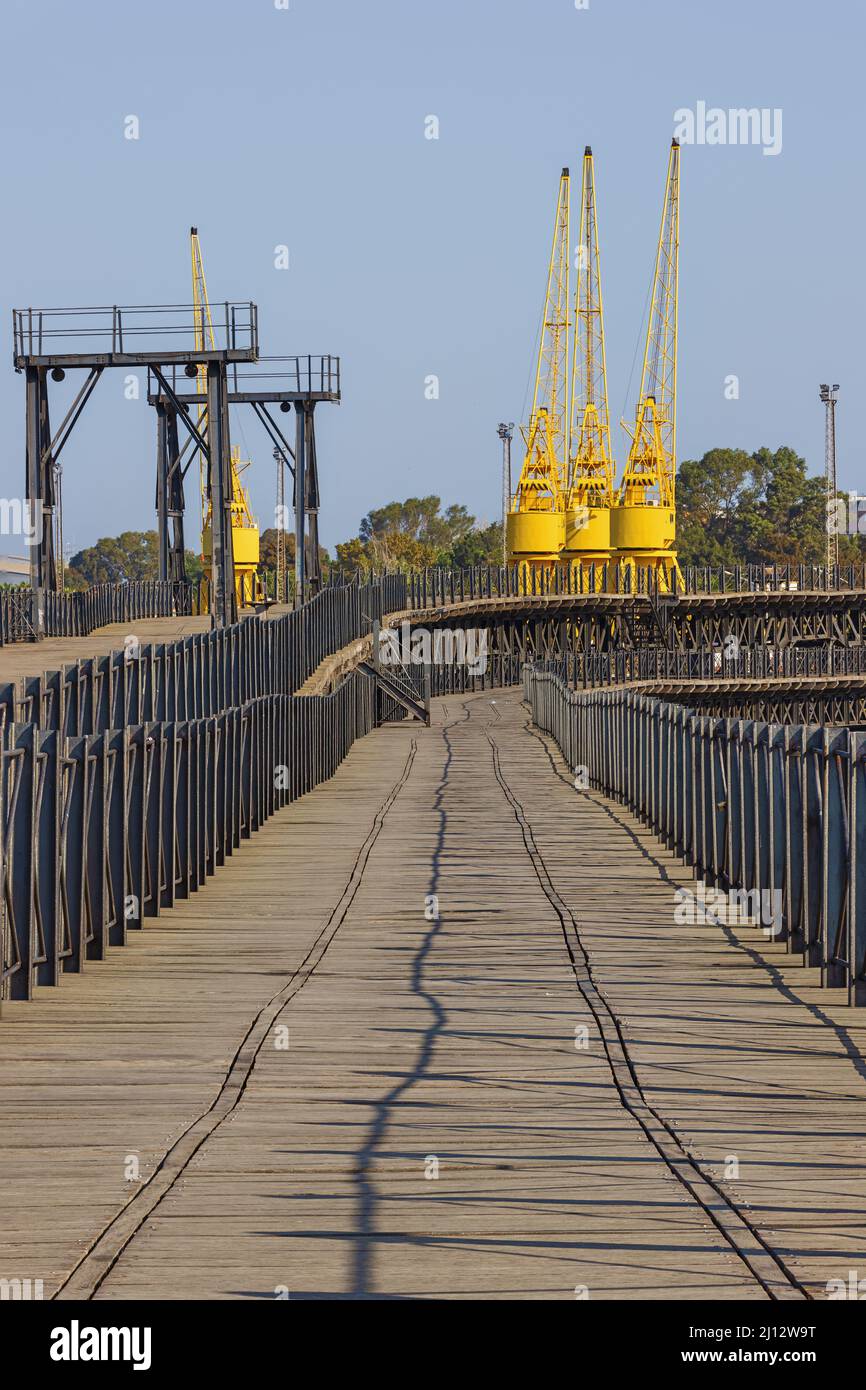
(411, 257)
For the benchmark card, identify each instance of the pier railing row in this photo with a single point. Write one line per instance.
(732, 661)
(439, 587)
(203, 674)
(735, 579)
(103, 830)
(16, 616)
(266, 588)
(77, 614)
(772, 819)
(126, 780)
(645, 665)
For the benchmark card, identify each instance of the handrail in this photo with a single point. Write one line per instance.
(773, 812)
(127, 779)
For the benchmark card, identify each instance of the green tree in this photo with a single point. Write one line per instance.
(709, 493)
(268, 550)
(131, 556)
(481, 546)
(759, 508)
(420, 519)
(193, 566)
(783, 513)
(407, 535)
(353, 555)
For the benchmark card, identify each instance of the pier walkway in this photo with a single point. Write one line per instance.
(434, 1031)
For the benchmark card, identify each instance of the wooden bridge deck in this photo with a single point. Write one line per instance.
(32, 658)
(434, 1126)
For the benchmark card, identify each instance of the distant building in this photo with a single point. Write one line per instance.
(14, 569)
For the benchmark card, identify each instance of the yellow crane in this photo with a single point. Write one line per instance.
(643, 521)
(535, 526)
(589, 495)
(245, 532)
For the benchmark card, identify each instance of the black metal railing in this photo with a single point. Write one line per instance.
(441, 587)
(16, 616)
(732, 661)
(771, 818)
(77, 614)
(103, 830)
(316, 375)
(714, 667)
(203, 674)
(80, 612)
(133, 328)
(125, 780)
(736, 579)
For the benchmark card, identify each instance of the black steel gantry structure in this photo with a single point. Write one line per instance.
(48, 342)
(301, 382)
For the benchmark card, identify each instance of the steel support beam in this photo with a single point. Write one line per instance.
(39, 490)
(300, 499)
(169, 497)
(278, 439)
(314, 568)
(308, 569)
(224, 607)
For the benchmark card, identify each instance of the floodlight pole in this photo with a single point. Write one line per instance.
(828, 396)
(505, 433)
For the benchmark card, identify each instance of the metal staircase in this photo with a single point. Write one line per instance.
(408, 686)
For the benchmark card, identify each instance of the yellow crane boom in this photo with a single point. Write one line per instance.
(566, 507)
(204, 341)
(591, 467)
(535, 527)
(245, 532)
(643, 524)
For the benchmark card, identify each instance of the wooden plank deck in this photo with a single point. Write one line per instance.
(432, 1129)
(33, 658)
(19, 659)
